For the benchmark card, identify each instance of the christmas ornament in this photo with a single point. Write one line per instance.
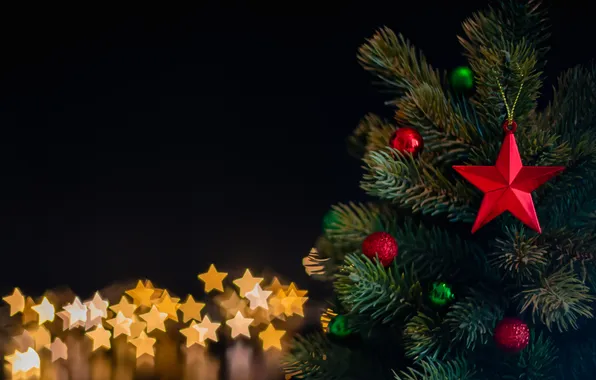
(331, 220)
(512, 334)
(508, 185)
(441, 293)
(461, 79)
(380, 244)
(407, 140)
(339, 327)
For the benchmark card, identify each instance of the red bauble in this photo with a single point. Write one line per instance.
(380, 244)
(512, 334)
(508, 185)
(407, 140)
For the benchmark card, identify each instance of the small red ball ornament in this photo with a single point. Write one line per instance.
(512, 334)
(407, 140)
(380, 244)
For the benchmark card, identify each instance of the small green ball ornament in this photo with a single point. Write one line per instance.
(339, 327)
(441, 294)
(462, 79)
(331, 220)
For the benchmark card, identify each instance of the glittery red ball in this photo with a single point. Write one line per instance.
(381, 244)
(407, 140)
(512, 334)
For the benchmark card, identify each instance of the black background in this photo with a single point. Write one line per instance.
(153, 141)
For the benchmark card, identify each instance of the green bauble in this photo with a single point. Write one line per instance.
(462, 79)
(331, 220)
(441, 294)
(339, 328)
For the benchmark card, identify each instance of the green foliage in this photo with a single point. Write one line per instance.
(383, 295)
(416, 185)
(578, 358)
(446, 132)
(432, 250)
(536, 362)
(518, 255)
(422, 338)
(572, 111)
(354, 222)
(507, 38)
(572, 115)
(373, 133)
(560, 299)
(313, 357)
(398, 65)
(457, 369)
(472, 319)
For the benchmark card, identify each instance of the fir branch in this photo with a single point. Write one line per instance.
(417, 185)
(473, 319)
(573, 108)
(384, 295)
(447, 134)
(536, 362)
(504, 43)
(399, 66)
(518, 255)
(572, 115)
(457, 369)
(314, 358)
(559, 300)
(566, 200)
(422, 339)
(372, 133)
(352, 224)
(579, 359)
(432, 251)
(573, 247)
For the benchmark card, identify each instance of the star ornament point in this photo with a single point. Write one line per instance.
(508, 186)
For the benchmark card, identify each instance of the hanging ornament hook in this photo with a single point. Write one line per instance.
(510, 126)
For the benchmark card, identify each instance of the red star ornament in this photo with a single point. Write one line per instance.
(508, 185)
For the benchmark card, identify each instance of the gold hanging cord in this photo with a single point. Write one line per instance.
(510, 110)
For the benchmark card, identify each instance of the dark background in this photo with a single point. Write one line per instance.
(151, 142)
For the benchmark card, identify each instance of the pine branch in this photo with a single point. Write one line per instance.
(473, 319)
(573, 247)
(353, 223)
(433, 251)
(384, 295)
(572, 115)
(448, 135)
(579, 359)
(566, 200)
(536, 362)
(373, 133)
(457, 369)
(417, 185)
(422, 339)
(502, 44)
(314, 358)
(559, 300)
(573, 108)
(398, 65)
(518, 255)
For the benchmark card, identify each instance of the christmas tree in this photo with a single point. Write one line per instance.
(474, 258)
